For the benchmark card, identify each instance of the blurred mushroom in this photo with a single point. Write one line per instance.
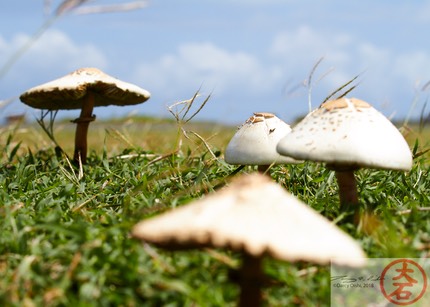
(255, 216)
(254, 143)
(83, 89)
(347, 134)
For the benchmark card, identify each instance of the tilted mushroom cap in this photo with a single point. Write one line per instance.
(348, 132)
(255, 141)
(257, 216)
(69, 91)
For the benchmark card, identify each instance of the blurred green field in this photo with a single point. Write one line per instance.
(155, 135)
(417, 135)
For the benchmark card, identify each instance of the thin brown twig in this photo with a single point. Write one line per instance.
(407, 211)
(309, 82)
(155, 256)
(114, 8)
(339, 89)
(163, 157)
(205, 143)
(68, 5)
(199, 109)
(81, 205)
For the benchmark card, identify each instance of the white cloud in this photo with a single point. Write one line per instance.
(413, 65)
(53, 54)
(300, 48)
(386, 73)
(55, 47)
(238, 81)
(195, 64)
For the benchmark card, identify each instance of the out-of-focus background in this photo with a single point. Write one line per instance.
(250, 55)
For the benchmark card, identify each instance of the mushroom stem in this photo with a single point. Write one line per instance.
(83, 122)
(347, 188)
(263, 168)
(250, 281)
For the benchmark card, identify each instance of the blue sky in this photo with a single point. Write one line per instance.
(248, 54)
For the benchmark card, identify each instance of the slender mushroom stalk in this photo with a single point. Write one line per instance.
(256, 217)
(263, 168)
(251, 279)
(83, 89)
(254, 143)
(347, 134)
(346, 182)
(82, 123)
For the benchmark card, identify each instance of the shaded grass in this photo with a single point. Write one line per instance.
(64, 235)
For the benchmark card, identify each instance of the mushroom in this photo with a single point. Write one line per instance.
(255, 216)
(254, 143)
(347, 134)
(83, 89)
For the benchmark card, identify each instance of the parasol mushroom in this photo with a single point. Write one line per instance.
(83, 89)
(254, 143)
(347, 134)
(257, 217)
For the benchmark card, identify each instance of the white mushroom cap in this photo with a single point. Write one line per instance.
(257, 216)
(254, 143)
(348, 133)
(69, 92)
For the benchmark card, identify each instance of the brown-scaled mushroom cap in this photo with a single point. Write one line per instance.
(348, 133)
(69, 92)
(254, 143)
(256, 216)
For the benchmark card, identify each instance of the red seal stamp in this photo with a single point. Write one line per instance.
(403, 282)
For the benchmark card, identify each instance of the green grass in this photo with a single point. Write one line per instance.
(64, 235)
